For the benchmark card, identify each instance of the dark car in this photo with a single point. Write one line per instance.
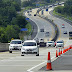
(41, 30)
(47, 34)
(34, 14)
(65, 32)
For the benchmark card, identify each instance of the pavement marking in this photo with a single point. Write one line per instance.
(16, 65)
(21, 60)
(30, 70)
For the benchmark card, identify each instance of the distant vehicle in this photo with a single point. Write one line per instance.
(63, 26)
(50, 43)
(42, 43)
(15, 45)
(60, 3)
(27, 11)
(34, 14)
(41, 40)
(30, 47)
(64, 32)
(41, 30)
(60, 43)
(49, 5)
(29, 14)
(55, 4)
(70, 35)
(47, 34)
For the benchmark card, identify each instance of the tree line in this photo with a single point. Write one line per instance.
(10, 21)
(66, 9)
(33, 3)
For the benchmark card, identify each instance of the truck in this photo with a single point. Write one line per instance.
(70, 35)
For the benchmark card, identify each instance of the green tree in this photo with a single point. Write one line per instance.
(12, 32)
(3, 36)
(21, 22)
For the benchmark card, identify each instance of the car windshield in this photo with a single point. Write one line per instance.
(29, 44)
(59, 42)
(16, 42)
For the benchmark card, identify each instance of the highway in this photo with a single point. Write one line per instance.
(42, 24)
(30, 63)
(59, 23)
(16, 63)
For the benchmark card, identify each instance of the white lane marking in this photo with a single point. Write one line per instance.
(22, 60)
(30, 70)
(16, 65)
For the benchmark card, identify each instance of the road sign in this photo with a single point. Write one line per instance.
(24, 29)
(47, 9)
(37, 5)
(12, 39)
(27, 18)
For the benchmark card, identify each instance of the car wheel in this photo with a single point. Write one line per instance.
(22, 55)
(10, 51)
(53, 46)
(37, 55)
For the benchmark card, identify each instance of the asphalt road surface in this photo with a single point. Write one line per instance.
(42, 24)
(61, 64)
(16, 63)
(59, 23)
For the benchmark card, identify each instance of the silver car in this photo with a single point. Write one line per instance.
(50, 43)
(60, 43)
(30, 47)
(47, 34)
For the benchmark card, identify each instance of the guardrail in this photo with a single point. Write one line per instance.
(4, 47)
(34, 29)
(65, 19)
(55, 27)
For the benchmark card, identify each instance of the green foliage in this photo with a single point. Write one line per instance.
(12, 31)
(10, 21)
(66, 10)
(20, 21)
(28, 3)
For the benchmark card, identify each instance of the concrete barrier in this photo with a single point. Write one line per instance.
(4, 47)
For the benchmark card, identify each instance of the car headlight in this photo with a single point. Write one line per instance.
(34, 49)
(20, 46)
(23, 49)
(11, 46)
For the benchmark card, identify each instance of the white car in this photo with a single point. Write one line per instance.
(60, 43)
(15, 45)
(30, 47)
(41, 40)
(50, 43)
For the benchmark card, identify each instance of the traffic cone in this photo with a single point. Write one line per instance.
(69, 48)
(59, 52)
(63, 50)
(56, 54)
(49, 67)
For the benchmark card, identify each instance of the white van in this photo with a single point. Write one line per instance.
(30, 47)
(15, 45)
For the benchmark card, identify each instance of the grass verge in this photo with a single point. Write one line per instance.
(65, 16)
